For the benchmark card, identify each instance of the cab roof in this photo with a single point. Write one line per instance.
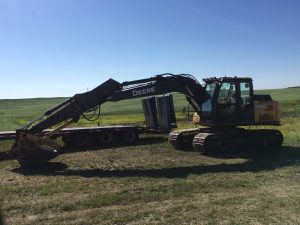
(226, 79)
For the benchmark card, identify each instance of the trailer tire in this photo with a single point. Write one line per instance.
(130, 136)
(82, 140)
(106, 137)
(68, 140)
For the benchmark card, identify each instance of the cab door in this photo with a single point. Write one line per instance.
(245, 101)
(226, 103)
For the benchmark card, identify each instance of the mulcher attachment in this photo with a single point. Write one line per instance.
(34, 151)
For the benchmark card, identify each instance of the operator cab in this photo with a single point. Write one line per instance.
(230, 102)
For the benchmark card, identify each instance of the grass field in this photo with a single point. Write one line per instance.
(15, 113)
(151, 183)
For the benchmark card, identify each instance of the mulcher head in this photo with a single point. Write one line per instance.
(32, 151)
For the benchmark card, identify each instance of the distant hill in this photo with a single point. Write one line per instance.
(294, 87)
(285, 94)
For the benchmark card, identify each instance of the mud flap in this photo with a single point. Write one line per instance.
(34, 151)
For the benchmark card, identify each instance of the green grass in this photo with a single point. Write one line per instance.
(151, 183)
(154, 184)
(286, 94)
(15, 113)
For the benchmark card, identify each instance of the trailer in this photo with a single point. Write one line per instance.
(88, 136)
(159, 110)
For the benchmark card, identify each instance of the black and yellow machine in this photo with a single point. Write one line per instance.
(230, 106)
(223, 106)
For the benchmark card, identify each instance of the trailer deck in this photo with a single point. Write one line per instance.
(7, 135)
(81, 136)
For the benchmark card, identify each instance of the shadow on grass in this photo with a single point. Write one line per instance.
(288, 157)
(5, 156)
(65, 150)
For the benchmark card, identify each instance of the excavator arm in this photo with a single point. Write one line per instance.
(71, 109)
(162, 84)
(33, 146)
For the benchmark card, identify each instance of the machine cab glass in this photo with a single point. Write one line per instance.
(234, 101)
(207, 105)
(227, 102)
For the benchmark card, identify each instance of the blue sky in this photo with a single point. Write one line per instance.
(62, 47)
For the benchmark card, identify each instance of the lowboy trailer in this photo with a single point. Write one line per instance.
(88, 136)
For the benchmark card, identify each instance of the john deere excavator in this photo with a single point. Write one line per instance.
(222, 104)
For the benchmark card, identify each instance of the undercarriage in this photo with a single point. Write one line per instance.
(226, 140)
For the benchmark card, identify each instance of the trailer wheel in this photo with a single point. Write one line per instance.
(68, 140)
(130, 136)
(82, 140)
(106, 138)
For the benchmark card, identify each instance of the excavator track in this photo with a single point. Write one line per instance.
(266, 139)
(183, 139)
(222, 141)
(200, 139)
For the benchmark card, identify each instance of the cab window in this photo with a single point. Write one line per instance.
(245, 93)
(227, 93)
(207, 105)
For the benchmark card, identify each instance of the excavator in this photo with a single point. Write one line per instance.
(223, 106)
